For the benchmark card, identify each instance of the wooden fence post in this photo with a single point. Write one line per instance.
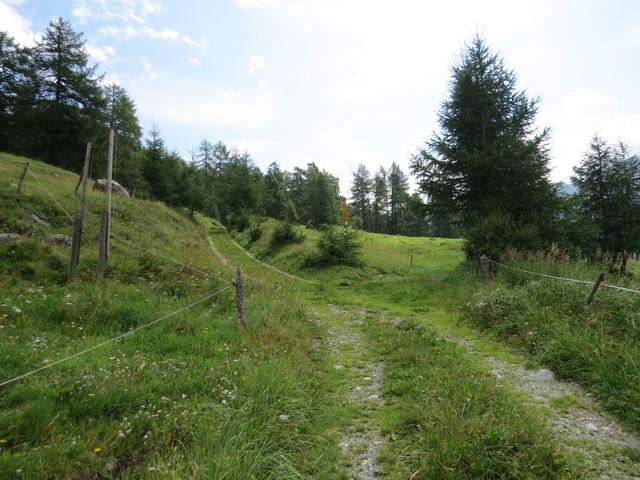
(242, 322)
(79, 218)
(596, 285)
(22, 177)
(411, 261)
(102, 248)
(484, 268)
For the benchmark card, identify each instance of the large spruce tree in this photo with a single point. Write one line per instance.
(488, 158)
(71, 102)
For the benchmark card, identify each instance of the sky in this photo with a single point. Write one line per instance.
(343, 82)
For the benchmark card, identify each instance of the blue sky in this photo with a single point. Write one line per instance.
(342, 82)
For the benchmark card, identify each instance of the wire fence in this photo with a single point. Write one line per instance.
(566, 279)
(130, 332)
(113, 339)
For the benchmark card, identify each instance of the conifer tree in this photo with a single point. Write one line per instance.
(608, 181)
(380, 205)
(398, 185)
(488, 155)
(360, 195)
(71, 101)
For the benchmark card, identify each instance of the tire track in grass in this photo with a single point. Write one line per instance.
(362, 441)
(577, 419)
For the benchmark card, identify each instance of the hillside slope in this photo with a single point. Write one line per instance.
(188, 396)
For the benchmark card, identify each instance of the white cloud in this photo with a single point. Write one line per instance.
(262, 84)
(582, 113)
(136, 11)
(256, 63)
(16, 25)
(166, 34)
(583, 99)
(196, 61)
(251, 146)
(199, 104)
(152, 74)
(100, 54)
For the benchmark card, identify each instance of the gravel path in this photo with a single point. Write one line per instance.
(361, 443)
(578, 420)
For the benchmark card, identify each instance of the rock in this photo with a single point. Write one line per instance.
(338, 367)
(591, 427)
(38, 220)
(59, 239)
(101, 185)
(9, 237)
(543, 375)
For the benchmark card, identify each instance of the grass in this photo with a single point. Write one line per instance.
(191, 396)
(597, 345)
(445, 416)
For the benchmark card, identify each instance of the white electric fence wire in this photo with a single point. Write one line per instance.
(114, 339)
(149, 249)
(586, 282)
(50, 194)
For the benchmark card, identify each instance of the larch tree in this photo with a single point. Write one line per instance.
(608, 181)
(488, 160)
(398, 194)
(71, 102)
(380, 206)
(360, 195)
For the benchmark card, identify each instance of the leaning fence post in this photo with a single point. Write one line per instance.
(242, 322)
(22, 177)
(484, 268)
(596, 285)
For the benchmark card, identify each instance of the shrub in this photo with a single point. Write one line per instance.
(285, 233)
(336, 248)
(493, 234)
(239, 221)
(255, 232)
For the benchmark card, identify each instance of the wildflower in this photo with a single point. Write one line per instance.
(3, 441)
(97, 450)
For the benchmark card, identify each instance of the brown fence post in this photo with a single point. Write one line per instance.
(22, 177)
(242, 322)
(102, 248)
(79, 218)
(596, 285)
(484, 268)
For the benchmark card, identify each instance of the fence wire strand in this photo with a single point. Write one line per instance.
(114, 339)
(575, 280)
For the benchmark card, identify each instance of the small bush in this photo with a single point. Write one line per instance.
(336, 248)
(285, 233)
(255, 232)
(239, 221)
(494, 234)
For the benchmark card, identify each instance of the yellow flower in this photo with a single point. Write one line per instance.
(3, 441)
(97, 450)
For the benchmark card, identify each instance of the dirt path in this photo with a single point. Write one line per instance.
(578, 420)
(270, 267)
(362, 441)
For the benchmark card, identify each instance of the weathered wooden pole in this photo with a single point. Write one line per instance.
(105, 219)
(109, 185)
(484, 268)
(22, 177)
(411, 261)
(242, 322)
(79, 218)
(102, 247)
(595, 288)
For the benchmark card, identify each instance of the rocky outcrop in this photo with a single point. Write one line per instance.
(101, 185)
